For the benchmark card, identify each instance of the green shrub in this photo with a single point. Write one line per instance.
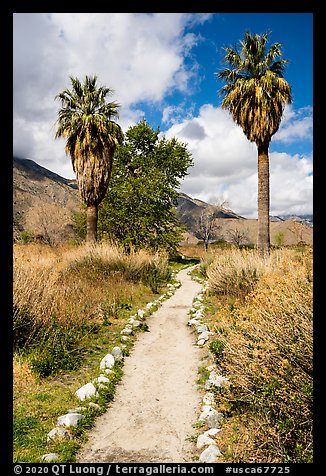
(25, 327)
(60, 350)
(216, 348)
(279, 239)
(26, 237)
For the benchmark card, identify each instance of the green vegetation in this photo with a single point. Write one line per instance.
(137, 211)
(279, 239)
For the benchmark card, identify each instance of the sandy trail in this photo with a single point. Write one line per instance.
(157, 400)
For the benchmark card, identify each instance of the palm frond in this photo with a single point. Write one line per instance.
(255, 91)
(85, 120)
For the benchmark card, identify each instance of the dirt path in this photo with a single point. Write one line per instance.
(157, 401)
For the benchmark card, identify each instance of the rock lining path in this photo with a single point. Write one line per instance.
(157, 401)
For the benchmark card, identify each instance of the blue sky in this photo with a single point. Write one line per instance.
(161, 67)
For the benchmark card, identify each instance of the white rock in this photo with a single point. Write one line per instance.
(87, 391)
(107, 362)
(117, 353)
(204, 440)
(124, 338)
(204, 335)
(101, 381)
(210, 454)
(59, 434)
(108, 371)
(49, 457)
(212, 417)
(208, 399)
(193, 321)
(206, 409)
(140, 313)
(212, 431)
(70, 419)
(136, 323)
(199, 315)
(95, 405)
(201, 342)
(126, 331)
(201, 328)
(216, 381)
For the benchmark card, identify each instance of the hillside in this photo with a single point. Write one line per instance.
(44, 204)
(189, 210)
(231, 226)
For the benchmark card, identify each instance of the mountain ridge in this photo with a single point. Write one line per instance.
(44, 204)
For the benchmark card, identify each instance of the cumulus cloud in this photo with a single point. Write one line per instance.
(141, 56)
(225, 166)
(146, 58)
(296, 124)
(291, 183)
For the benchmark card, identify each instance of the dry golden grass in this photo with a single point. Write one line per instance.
(23, 378)
(60, 294)
(71, 282)
(267, 335)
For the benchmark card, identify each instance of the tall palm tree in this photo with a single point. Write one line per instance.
(85, 121)
(255, 94)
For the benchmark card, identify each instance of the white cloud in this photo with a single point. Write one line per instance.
(225, 166)
(296, 124)
(145, 58)
(140, 55)
(291, 183)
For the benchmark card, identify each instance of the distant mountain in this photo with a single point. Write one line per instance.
(34, 171)
(189, 210)
(44, 204)
(307, 218)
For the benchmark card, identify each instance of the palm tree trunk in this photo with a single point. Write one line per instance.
(91, 235)
(263, 200)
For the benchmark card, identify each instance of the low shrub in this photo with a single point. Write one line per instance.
(216, 347)
(141, 266)
(268, 355)
(57, 349)
(235, 272)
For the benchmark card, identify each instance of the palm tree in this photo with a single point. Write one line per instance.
(255, 94)
(85, 121)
